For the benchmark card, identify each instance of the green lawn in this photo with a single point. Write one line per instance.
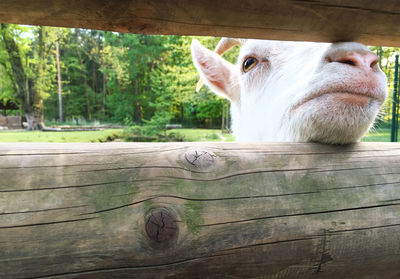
(377, 135)
(96, 136)
(38, 136)
(380, 135)
(202, 134)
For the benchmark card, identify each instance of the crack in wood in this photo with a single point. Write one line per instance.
(347, 169)
(52, 166)
(325, 255)
(386, 173)
(127, 268)
(47, 223)
(299, 214)
(365, 228)
(377, 156)
(40, 154)
(360, 186)
(42, 210)
(64, 187)
(141, 167)
(236, 174)
(249, 246)
(345, 7)
(199, 199)
(212, 25)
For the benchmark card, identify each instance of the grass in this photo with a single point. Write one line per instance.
(379, 135)
(38, 136)
(202, 134)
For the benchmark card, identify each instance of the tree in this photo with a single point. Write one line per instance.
(59, 79)
(26, 68)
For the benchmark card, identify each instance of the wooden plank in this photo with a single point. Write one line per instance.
(199, 210)
(11, 122)
(367, 21)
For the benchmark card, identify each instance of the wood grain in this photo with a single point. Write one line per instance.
(234, 210)
(367, 21)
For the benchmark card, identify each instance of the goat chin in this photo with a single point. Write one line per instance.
(334, 123)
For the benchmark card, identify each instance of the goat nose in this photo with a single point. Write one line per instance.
(360, 59)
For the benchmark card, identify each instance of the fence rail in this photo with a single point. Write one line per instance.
(369, 22)
(192, 210)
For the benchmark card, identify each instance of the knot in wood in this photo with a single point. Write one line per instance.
(200, 158)
(161, 225)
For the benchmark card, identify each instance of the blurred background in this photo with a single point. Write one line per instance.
(78, 85)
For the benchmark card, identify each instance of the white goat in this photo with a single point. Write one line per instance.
(296, 91)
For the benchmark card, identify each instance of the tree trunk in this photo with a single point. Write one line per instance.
(103, 107)
(227, 121)
(94, 82)
(59, 80)
(182, 113)
(88, 114)
(223, 116)
(34, 120)
(137, 107)
(33, 113)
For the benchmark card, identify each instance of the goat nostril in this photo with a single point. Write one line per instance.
(348, 62)
(374, 63)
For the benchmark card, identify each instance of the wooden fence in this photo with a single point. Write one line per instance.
(192, 210)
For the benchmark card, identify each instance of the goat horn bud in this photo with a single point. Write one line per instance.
(223, 46)
(226, 44)
(199, 85)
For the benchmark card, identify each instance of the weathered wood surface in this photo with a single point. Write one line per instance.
(229, 211)
(368, 21)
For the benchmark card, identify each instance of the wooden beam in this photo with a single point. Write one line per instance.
(199, 210)
(367, 21)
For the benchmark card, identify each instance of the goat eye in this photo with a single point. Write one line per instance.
(249, 64)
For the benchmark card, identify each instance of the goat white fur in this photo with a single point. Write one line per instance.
(297, 91)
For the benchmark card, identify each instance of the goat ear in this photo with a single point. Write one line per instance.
(216, 72)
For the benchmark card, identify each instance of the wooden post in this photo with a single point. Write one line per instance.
(199, 210)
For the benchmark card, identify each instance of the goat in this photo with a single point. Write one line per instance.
(296, 91)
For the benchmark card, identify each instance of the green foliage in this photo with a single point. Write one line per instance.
(386, 57)
(210, 109)
(150, 133)
(116, 77)
(153, 130)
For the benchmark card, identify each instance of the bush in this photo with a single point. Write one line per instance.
(149, 133)
(212, 136)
